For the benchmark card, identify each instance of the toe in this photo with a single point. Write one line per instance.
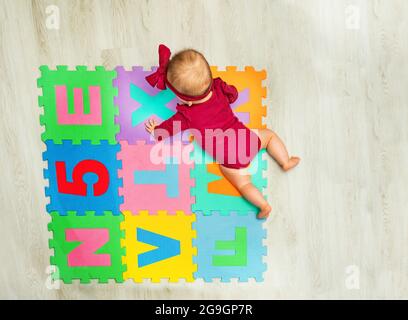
(264, 213)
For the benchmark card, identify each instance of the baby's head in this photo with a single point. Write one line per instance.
(189, 72)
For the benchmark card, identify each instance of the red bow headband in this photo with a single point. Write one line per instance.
(159, 77)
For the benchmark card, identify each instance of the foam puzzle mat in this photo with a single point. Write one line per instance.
(116, 212)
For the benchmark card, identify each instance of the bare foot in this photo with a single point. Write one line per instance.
(264, 212)
(293, 162)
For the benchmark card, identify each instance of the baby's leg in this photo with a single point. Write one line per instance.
(242, 181)
(276, 149)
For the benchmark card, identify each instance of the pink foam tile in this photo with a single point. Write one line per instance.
(151, 193)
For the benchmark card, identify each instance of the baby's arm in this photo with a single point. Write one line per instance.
(230, 92)
(167, 128)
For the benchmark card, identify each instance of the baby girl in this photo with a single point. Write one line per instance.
(205, 107)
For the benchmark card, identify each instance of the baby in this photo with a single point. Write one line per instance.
(205, 107)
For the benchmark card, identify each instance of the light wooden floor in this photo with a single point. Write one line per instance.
(337, 95)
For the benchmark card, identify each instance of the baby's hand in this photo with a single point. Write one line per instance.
(150, 125)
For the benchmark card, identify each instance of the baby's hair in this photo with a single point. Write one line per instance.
(189, 72)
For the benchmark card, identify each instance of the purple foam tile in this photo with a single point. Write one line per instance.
(243, 97)
(127, 105)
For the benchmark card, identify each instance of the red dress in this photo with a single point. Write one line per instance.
(215, 127)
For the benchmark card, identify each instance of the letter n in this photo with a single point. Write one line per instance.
(91, 241)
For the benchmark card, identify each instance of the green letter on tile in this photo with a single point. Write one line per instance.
(239, 245)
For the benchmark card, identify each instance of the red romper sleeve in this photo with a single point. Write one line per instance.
(171, 126)
(229, 90)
